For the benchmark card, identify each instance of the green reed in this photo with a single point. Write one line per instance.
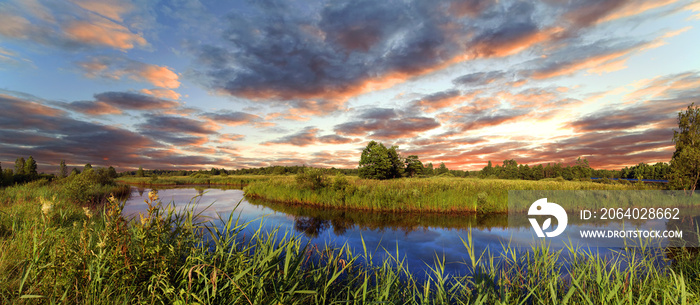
(70, 255)
(436, 194)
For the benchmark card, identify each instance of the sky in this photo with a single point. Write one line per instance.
(191, 84)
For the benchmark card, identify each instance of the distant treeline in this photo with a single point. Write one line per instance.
(26, 171)
(509, 169)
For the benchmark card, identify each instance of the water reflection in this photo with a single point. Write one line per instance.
(418, 237)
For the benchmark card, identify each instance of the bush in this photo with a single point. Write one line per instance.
(311, 178)
(340, 182)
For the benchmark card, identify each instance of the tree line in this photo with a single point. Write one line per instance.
(26, 171)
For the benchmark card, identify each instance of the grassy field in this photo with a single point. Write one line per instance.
(455, 195)
(196, 179)
(54, 250)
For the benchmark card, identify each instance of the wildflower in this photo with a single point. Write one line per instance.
(144, 220)
(46, 206)
(153, 195)
(87, 212)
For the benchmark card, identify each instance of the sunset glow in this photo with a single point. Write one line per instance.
(202, 84)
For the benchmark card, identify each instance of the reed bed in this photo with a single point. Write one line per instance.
(438, 194)
(54, 251)
(196, 179)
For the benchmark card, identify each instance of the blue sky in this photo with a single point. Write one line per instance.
(194, 84)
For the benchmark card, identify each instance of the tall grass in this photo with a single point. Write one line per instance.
(439, 194)
(196, 179)
(67, 254)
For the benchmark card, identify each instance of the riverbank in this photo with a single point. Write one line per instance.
(54, 251)
(434, 195)
(196, 179)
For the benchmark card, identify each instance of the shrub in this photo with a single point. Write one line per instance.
(311, 178)
(340, 182)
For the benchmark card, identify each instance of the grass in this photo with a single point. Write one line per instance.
(438, 194)
(196, 179)
(68, 254)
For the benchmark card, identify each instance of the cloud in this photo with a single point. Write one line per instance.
(382, 123)
(116, 102)
(436, 101)
(230, 137)
(116, 67)
(236, 118)
(50, 135)
(162, 93)
(331, 52)
(479, 78)
(309, 136)
(172, 124)
(70, 27)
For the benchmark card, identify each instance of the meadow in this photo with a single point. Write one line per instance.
(56, 249)
(435, 194)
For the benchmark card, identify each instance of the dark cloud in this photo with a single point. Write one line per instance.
(308, 136)
(383, 123)
(172, 124)
(435, 101)
(50, 135)
(479, 78)
(233, 118)
(117, 102)
(330, 52)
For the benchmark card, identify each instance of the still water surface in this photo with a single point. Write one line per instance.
(419, 238)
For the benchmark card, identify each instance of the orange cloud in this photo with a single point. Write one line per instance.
(507, 47)
(118, 67)
(158, 76)
(104, 33)
(107, 8)
(162, 93)
(633, 8)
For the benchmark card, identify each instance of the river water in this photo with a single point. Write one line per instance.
(419, 238)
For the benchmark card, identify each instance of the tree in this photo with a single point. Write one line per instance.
(487, 170)
(685, 163)
(62, 169)
(30, 167)
(413, 166)
(139, 173)
(111, 172)
(87, 167)
(442, 169)
(19, 166)
(379, 162)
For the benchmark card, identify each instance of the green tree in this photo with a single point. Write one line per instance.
(582, 169)
(428, 170)
(413, 166)
(379, 162)
(685, 163)
(19, 166)
(487, 170)
(87, 167)
(442, 169)
(30, 167)
(111, 172)
(139, 173)
(62, 169)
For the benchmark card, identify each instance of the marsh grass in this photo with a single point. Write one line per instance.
(196, 179)
(70, 256)
(438, 194)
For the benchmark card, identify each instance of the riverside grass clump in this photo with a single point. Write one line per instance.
(69, 255)
(196, 179)
(437, 194)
